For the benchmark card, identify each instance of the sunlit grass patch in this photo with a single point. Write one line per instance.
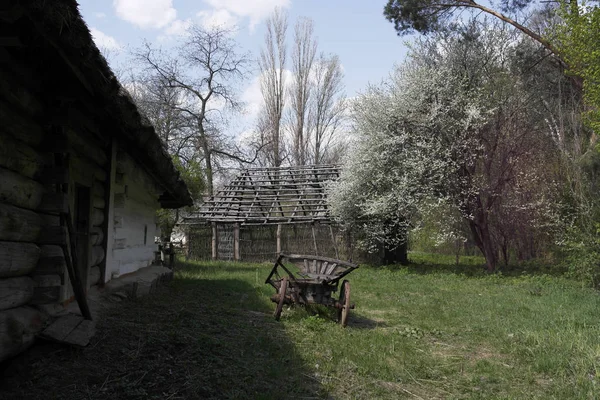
(416, 332)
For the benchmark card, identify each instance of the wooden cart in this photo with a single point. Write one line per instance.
(313, 282)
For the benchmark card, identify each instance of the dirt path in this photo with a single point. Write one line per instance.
(195, 339)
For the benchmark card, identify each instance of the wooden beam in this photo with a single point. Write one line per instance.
(15, 292)
(18, 224)
(18, 259)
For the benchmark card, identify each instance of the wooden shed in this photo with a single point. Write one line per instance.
(265, 211)
(82, 173)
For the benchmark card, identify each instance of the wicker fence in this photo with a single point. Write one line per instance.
(258, 243)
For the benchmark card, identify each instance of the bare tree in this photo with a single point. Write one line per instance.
(272, 69)
(205, 69)
(303, 56)
(159, 102)
(327, 107)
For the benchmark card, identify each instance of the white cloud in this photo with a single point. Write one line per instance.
(252, 97)
(100, 15)
(178, 27)
(256, 10)
(146, 13)
(104, 41)
(217, 18)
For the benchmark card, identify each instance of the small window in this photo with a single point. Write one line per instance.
(145, 234)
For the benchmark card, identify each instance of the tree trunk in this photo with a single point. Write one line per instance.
(398, 254)
(483, 240)
(207, 157)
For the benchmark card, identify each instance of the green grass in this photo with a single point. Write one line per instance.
(420, 332)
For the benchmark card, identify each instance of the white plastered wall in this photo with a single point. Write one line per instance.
(135, 202)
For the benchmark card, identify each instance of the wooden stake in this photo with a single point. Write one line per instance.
(278, 239)
(314, 239)
(334, 242)
(236, 242)
(214, 241)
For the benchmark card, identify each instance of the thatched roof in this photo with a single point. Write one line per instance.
(287, 195)
(56, 30)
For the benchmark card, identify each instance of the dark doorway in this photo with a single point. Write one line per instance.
(82, 230)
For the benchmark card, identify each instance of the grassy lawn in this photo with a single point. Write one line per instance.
(448, 332)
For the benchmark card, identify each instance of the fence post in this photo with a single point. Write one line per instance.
(236, 242)
(278, 239)
(214, 241)
(314, 237)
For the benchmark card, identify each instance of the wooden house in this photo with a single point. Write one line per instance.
(82, 173)
(265, 211)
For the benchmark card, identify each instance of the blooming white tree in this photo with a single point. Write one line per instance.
(452, 125)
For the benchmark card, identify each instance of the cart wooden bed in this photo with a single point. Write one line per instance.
(316, 279)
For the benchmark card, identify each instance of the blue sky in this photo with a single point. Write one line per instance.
(355, 30)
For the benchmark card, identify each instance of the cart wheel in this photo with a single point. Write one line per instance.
(282, 290)
(345, 303)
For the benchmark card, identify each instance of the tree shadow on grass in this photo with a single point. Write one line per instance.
(479, 270)
(194, 339)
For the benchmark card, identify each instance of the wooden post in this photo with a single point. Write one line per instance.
(278, 239)
(108, 223)
(314, 238)
(215, 243)
(236, 242)
(334, 242)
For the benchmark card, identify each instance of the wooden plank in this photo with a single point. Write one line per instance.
(18, 329)
(18, 224)
(73, 268)
(98, 189)
(20, 157)
(46, 280)
(54, 203)
(54, 265)
(19, 190)
(17, 124)
(82, 334)
(52, 262)
(94, 276)
(15, 292)
(98, 202)
(17, 259)
(62, 327)
(97, 255)
(331, 269)
(96, 236)
(97, 217)
(55, 176)
(45, 295)
(53, 235)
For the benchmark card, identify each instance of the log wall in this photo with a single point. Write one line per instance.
(33, 272)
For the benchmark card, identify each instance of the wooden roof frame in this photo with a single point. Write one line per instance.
(272, 195)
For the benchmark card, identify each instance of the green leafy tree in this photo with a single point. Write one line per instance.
(192, 172)
(579, 46)
(428, 16)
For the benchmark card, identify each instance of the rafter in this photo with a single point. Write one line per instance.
(272, 196)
